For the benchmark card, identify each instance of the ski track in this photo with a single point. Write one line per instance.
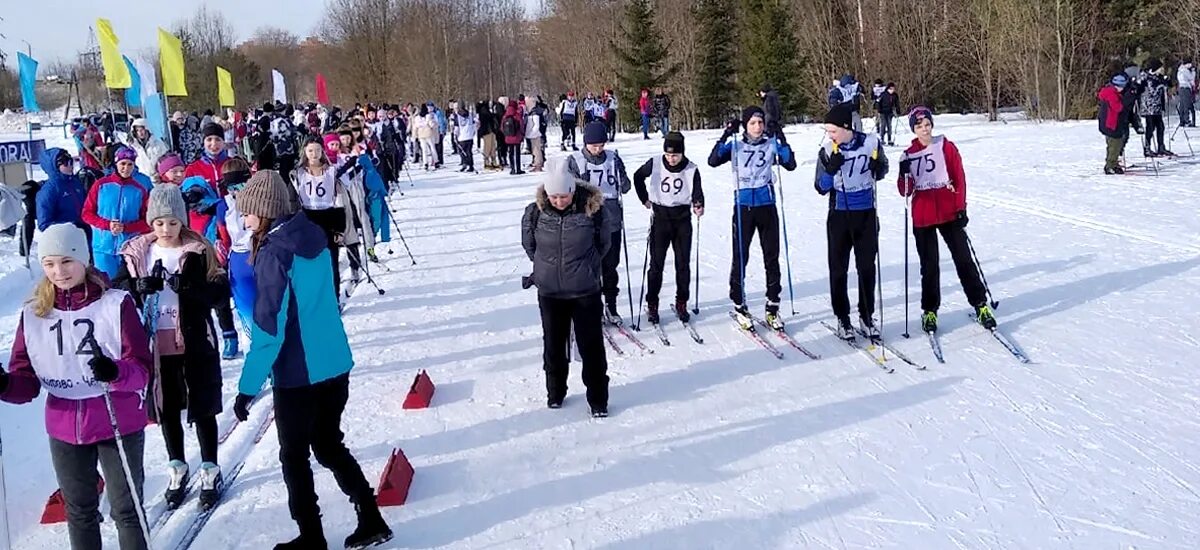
(720, 445)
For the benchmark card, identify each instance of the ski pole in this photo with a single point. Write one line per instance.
(7, 540)
(400, 233)
(356, 263)
(133, 490)
(787, 254)
(696, 308)
(906, 207)
(625, 245)
(878, 254)
(737, 207)
(991, 300)
(645, 264)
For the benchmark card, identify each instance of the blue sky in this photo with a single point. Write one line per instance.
(59, 28)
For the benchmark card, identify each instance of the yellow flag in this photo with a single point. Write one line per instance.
(224, 88)
(116, 73)
(170, 58)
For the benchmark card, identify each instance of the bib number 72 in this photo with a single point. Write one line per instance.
(87, 344)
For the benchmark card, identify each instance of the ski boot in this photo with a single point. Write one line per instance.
(371, 255)
(177, 474)
(867, 325)
(210, 485)
(741, 314)
(1115, 170)
(681, 310)
(371, 530)
(1146, 152)
(652, 313)
(230, 350)
(312, 537)
(929, 321)
(773, 319)
(600, 411)
(610, 313)
(1164, 152)
(554, 402)
(845, 330)
(985, 317)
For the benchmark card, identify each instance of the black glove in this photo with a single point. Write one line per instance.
(876, 167)
(241, 406)
(103, 368)
(961, 218)
(3, 379)
(731, 128)
(193, 197)
(526, 283)
(148, 285)
(780, 137)
(833, 163)
(905, 164)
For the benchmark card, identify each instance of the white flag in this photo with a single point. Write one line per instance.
(280, 87)
(149, 78)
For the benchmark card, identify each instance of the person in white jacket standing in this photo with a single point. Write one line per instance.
(1186, 76)
(466, 126)
(533, 133)
(427, 133)
(148, 147)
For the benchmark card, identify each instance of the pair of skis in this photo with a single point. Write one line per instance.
(616, 325)
(868, 350)
(780, 332)
(935, 344)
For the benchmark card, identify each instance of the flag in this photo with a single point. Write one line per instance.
(280, 87)
(156, 117)
(27, 66)
(322, 92)
(149, 78)
(170, 57)
(116, 73)
(133, 94)
(224, 88)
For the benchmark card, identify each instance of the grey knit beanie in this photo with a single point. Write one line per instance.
(559, 180)
(166, 201)
(266, 196)
(64, 239)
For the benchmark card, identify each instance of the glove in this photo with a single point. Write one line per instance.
(961, 218)
(779, 137)
(905, 164)
(833, 163)
(241, 406)
(731, 128)
(103, 368)
(876, 167)
(3, 379)
(148, 285)
(526, 282)
(193, 197)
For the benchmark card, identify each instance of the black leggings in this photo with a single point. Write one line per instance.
(174, 397)
(1154, 124)
(514, 157)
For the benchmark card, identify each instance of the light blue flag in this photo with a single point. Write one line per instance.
(133, 94)
(156, 117)
(28, 69)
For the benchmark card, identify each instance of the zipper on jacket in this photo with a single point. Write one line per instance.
(561, 263)
(78, 403)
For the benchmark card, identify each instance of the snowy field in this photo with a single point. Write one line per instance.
(1096, 445)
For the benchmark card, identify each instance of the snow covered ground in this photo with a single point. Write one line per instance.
(1094, 445)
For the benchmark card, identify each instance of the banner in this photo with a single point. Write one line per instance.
(149, 78)
(156, 117)
(170, 58)
(322, 92)
(22, 151)
(116, 74)
(224, 88)
(280, 87)
(27, 66)
(133, 94)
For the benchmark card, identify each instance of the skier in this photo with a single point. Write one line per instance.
(606, 171)
(931, 172)
(847, 169)
(300, 342)
(181, 268)
(1186, 76)
(170, 169)
(1151, 105)
(427, 133)
(887, 105)
(323, 198)
(662, 110)
(771, 108)
(645, 109)
(1114, 122)
(852, 94)
(610, 114)
(563, 232)
(512, 125)
(236, 240)
(61, 197)
(673, 195)
(148, 147)
(466, 126)
(116, 210)
(754, 204)
(568, 113)
(84, 344)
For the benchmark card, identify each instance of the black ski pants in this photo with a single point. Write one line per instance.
(857, 231)
(568, 134)
(610, 278)
(960, 250)
(310, 417)
(584, 315)
(885, 127)
(466, 155)
(675, 233)
(333, 222)
(763, 220)
(1154, 128)
(174, 402)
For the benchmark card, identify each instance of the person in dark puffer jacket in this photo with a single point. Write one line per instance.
(562, 234)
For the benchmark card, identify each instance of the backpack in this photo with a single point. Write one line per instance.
(509, 127)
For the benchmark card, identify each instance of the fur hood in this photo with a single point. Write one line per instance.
(585, 193)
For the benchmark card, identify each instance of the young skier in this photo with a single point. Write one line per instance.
(754, 156)
(673, 194)
(84, 344)
(116, 210)
(568, 113)
(236, 240)
(300, 342)
(1114, 121)
(1151, 105)
(322, 196)
(887, 105)
(931, 172)
(174, 275)
(606, 171)
(847, 169)
(170, 169)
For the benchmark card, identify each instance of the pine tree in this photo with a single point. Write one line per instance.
(715, 92)
(642, 57)
(769, 54)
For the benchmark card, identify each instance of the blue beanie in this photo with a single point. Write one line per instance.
(1120, 80)
(917, 114)
(595, 132)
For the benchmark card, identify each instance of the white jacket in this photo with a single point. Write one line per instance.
(467, 127)
(533, 125)
(1186, 76)
(427, 127)
(148, 154)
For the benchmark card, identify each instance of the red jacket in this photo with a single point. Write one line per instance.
(208, 168)
(644, 104)
(936, 206)
(512, 112)
(1110, 112)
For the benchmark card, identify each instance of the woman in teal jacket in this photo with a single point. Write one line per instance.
(297, 339)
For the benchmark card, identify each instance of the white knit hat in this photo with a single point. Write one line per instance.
(559, 180)
(64, 239)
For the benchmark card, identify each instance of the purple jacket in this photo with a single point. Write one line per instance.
(83, 422)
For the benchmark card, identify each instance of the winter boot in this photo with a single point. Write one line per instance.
(929, 321)
(741, 314)
(681, 311)
(652, 313)
(773, 319)
(231, 345)
(867, 325)
(177, 480)
(610, 313)
(1164, 152)
(599, 411)
(312, 537)
(1146, 152)
(210, 485)
(554, 402)
(372, 530)
(371, 255)
(984, 315)
(845, 330)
